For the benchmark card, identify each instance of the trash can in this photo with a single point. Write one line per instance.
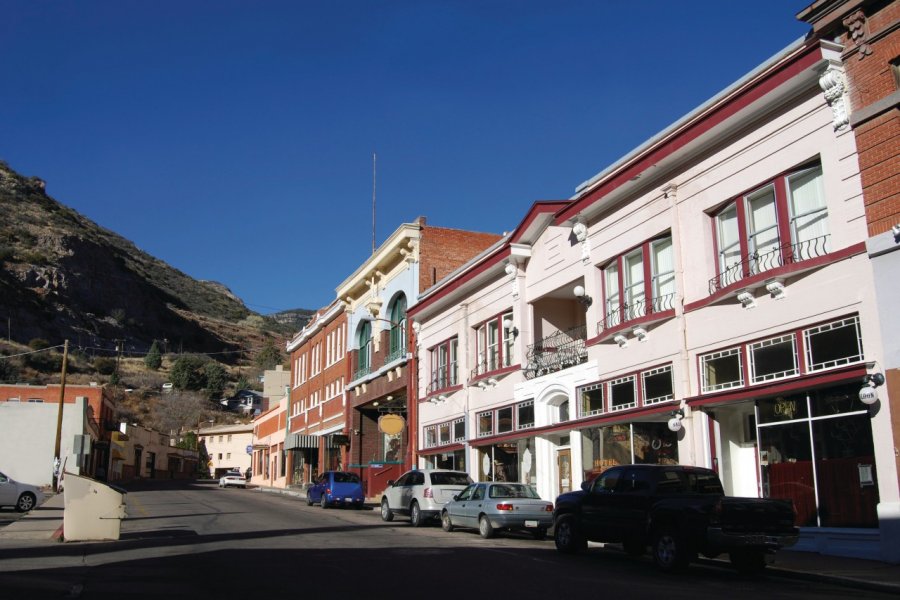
(93, 510)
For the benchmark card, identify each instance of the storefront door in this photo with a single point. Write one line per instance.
(564, 470)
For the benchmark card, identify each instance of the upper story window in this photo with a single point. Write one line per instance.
(493, 345)
(781, 222)
(629, 391)
(398, 328)
(444, 365)
(639, 283)
(364, 341)
(506, 419)
(825, 346)
(450, 432)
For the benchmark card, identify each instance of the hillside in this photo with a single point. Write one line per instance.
(63, 276)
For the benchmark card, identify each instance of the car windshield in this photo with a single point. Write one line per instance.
(346, 478)
(512, 490)
(449, 478)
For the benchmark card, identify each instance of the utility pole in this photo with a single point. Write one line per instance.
(373, 202)
(57, 462)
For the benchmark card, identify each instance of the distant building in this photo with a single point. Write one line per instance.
(229, 447)
(245, 402)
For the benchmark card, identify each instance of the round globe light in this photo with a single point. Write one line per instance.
(674, 424)
(868, 395)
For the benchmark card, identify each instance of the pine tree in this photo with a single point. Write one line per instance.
(153, 360)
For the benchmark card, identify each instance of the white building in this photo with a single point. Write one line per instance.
(229, 447)
(705, 300)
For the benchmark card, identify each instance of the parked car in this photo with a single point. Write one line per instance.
(678, 511)
(232, 479)
(22, 496)
(492, 507)
(336, 488)
(422, 494)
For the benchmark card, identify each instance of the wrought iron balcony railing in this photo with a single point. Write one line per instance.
(636, 310)
(442, 378)
(556, 352)
(362, 371)
(395, 354)
(492, 362)
(760, 262)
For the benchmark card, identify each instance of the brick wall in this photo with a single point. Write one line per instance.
(441, 250)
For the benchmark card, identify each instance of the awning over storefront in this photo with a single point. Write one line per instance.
(296, 441)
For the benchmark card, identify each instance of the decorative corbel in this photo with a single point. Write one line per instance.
(858, 32)
(512, 272)
(580, 231)
(832, 83)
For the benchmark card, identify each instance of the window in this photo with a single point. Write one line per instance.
(627, 292)
(485, 423)
(657, 385)
(398, 328)
(773, 359)
(444, 433)
(622, 393)
(364, 339)
(782, 221)
(722, 370)
(592, 400)
(833, 344)
(443, 365)
(459, 430)
(505, 419)
(525, 414)
(493, 345)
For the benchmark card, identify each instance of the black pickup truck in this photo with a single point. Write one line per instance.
(678, 511)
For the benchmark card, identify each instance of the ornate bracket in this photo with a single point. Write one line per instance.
(833, 84)
(580, 231)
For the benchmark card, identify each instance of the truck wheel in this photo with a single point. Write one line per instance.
(669, 551)
(386, 513)
(566, 536)
(748, 562)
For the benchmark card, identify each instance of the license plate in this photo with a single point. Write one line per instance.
(531, 523)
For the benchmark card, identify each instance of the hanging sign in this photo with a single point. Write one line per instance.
(391, 424)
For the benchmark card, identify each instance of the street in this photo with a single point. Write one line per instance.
(197, 540)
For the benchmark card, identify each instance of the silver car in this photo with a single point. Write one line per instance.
(494, 506)
(21, 495)
(421, 494)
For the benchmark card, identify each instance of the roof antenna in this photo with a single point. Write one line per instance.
(373, 202)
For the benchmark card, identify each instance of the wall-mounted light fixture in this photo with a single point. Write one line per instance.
(640, 333)
(621, 340)
(776, 289)
(492, 382)
(510, 328)
(867, 393)
(746, 299)
(416, 326)
(581, 296)
(675, 420)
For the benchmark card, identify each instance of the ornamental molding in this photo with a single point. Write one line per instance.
(580, 231)
(834, 85)
(858, 32)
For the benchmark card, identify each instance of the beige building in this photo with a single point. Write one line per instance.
(269, 459)
(228, 446)
(141, 453)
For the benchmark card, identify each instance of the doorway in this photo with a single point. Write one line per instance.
(564, 470)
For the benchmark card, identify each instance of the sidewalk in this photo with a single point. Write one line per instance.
(44, 525)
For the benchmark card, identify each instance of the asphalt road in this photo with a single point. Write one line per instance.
(200, 541)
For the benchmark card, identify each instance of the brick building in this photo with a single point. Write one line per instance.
(376, 298)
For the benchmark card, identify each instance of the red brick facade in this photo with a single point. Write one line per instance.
(443, 250)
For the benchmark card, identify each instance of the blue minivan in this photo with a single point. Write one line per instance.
(336, 488)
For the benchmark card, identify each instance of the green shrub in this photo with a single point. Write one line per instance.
(105, 365)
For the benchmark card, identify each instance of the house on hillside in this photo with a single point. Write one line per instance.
(245, 402)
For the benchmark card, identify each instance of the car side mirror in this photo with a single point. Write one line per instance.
(391, 482)
(586, 486)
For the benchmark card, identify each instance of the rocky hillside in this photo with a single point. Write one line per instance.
(63, 276)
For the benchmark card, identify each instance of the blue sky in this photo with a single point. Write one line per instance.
(234, 140)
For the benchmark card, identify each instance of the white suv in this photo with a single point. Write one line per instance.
(421, 494)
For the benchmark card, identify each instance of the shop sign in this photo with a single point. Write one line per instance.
(391, 424)
(785, 408)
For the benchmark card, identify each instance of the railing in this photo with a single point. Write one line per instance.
(441, 378)
(757, 263)
(362, 371)
(556, 352)
(635, 310)
(395, 354)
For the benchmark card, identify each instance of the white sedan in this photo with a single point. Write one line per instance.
(22, 496)
(232, 480)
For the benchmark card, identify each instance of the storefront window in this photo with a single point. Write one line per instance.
(592, 400)
(449, 460)
(626, 443)
(510, 461)
(525, 415)
(824, 463)
(392, 447)
(505, 420)
(485, 423)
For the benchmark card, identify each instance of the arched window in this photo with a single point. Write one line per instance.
(364, 355)
(398, 328)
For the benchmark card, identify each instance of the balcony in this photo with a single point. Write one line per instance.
(556, 352)
(441, 379)
(758, 263)
(636, 310)
(361, 371)
(395, 354)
